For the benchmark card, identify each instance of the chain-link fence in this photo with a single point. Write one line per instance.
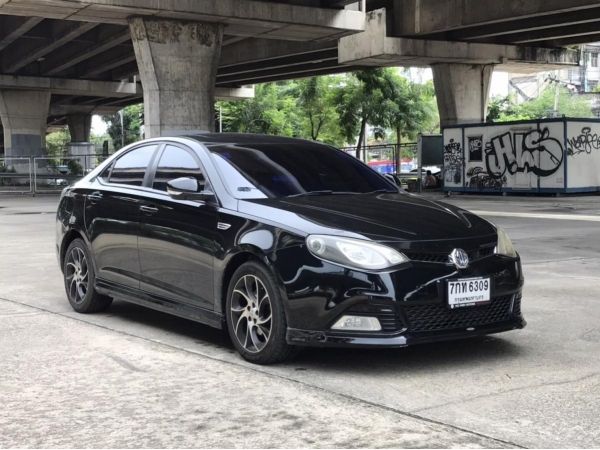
(44, 174)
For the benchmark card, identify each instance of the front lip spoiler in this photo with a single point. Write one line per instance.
(312, 338)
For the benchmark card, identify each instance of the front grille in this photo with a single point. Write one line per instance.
(422, 318)
(443, 258)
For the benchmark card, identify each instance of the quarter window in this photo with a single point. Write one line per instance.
(131, 167)
(176, 162)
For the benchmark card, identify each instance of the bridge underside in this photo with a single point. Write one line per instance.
(82, 52)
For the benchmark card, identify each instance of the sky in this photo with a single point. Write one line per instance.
(98, 126)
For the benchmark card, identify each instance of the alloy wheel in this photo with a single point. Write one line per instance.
(251, 315)
(76, 274)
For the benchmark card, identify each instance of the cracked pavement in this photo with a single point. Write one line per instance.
(132, 377)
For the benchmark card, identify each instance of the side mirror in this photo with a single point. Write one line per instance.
(187, 188)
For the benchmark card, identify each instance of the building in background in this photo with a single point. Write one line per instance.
(582, 80)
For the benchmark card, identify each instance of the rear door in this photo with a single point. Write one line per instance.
(112, 216)
(177, 239)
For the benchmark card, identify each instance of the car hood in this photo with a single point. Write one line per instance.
(381, 217)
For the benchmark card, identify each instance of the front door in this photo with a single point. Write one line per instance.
(112, 217)
(177, 239)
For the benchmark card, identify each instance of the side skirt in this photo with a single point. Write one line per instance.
(161, 304)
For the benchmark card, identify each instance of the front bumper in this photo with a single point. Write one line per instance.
(410, 303)
(311, 338)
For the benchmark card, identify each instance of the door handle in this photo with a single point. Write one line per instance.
(148, 209)
(95, 197)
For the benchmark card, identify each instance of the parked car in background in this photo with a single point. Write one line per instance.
(284, 243)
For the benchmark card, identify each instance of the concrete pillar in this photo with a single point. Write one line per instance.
(24, 116)
(79, 126)
(462, 92)
(177, 61)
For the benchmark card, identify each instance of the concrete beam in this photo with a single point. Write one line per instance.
(16, 60)
(417, 17)
(373, 47)
(66, 61)
(67, 86)
(23, 26)
(523, 25)
(242, 17)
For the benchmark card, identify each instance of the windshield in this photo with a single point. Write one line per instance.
(283, 170)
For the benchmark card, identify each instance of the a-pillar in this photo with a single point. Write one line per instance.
(80, 146)
(177, 62)
(24, 117)
(462, 92)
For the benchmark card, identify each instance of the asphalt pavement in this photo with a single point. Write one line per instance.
(132, 377)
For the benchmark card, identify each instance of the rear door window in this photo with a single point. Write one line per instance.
(132, 166)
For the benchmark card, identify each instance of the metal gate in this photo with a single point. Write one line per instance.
(43, 174)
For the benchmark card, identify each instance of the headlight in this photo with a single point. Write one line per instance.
(354, 253)
(505, 245)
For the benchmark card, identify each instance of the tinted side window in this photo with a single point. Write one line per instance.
(131, 167)
(176, 162)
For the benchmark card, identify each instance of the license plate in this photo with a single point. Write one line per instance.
(468, 292)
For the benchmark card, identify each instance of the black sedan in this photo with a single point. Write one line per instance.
(283, 242)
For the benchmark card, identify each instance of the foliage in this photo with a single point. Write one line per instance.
(336, 108)
(271, 111)
(362, 101)
(318, 116)
(74, 167)
(57, 141)
(503, 109)
(408, 107)
(133, 118)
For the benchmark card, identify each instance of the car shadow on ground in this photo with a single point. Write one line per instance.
(448, 355)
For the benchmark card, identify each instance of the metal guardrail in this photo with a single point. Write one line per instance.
(16, 175)
(44, 174)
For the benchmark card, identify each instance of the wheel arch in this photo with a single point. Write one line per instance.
(69, 237)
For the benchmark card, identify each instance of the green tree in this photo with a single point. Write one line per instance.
(133, 119)
(316, 108)
(361, 101)
(502, 109)
(408, 107)
(56, 142)
(273, 110)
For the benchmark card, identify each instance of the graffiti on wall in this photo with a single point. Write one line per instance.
(584, 142)
(479, 178)
(534, 152)
(453, 162)
(475, 148)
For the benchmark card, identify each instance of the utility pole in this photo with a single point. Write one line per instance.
(122, 129)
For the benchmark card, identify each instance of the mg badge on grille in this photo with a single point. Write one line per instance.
(459, 258)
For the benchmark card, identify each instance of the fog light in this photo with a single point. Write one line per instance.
(357, 323)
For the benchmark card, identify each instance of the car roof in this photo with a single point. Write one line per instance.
(243, 139)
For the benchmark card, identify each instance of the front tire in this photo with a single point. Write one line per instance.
(255, 316)
(79, 277)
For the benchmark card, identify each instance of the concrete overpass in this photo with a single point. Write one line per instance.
(62, 60)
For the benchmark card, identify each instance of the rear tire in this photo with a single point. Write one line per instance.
(255, 316)
(79, 277)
